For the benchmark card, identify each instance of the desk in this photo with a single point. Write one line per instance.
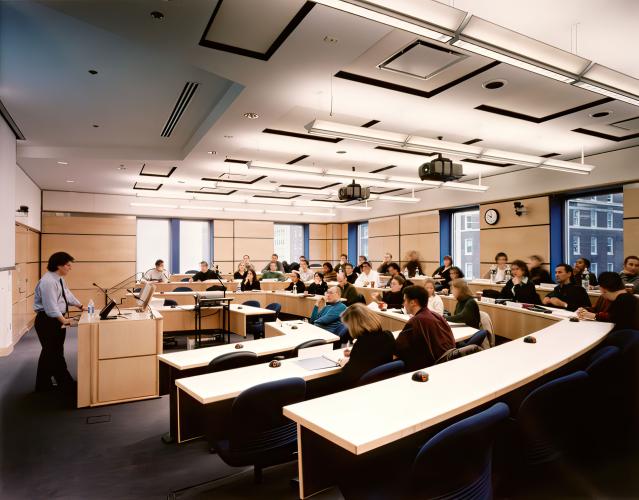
(117, 358)
(398, 407)
(177, 365)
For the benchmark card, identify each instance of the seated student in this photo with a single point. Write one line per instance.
(351, 275)
(538, 274)
(581, 264)
(348, 291)
(204, 274)
(444, 271)
(374, 346)
(329, 273)
(240, 274)
(296, 284)
(624, 307)
(500, 266)
(157, 274)
(601, 309)
(393, 270)
(274, 260)
(426, 336)
(343, 259)
(305, 273)
(413, 267)
(455, 273)
(520, 288)
(435, 302)
(467, 309)
(383, 267)
(368, 277)
(392, 299)
(272, 272)
(326, 314)
(360, 260)
(319, 286)
(630, 273)
(566, 295)
(250, 282)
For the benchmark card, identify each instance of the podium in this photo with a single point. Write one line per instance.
(117, 358)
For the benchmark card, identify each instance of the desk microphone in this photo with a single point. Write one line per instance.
(106, 294)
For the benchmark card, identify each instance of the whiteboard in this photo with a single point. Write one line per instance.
(7, 196)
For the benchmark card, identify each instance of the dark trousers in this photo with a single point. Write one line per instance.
(51, 362)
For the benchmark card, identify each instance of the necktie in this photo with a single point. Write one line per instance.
(66, 304)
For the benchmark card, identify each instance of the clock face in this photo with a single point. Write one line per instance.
(491, 216)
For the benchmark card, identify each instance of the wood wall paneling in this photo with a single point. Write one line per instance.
(259, 249)
(631, 221)
(25, 277)
(253, 229)
(425, 222)
(426, 244)
(88, 224)
(631, 202)
(223, 249)
(517, 242)
(223, 228)
(317, 231)
(384, 226)
(378, 246)
(95, 248)
(538, 212)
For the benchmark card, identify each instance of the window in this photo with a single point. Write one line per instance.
(468, 246)
(465, 233)
(362, 239)
(610, 267)
(288, 242)
(153, 243)
(593, 268)
(195, 244)
(594, 220)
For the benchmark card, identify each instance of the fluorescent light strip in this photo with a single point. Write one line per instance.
(153, 205)
(563, 169)
(399, 199)
(247, 210)
(461, 186)
(322, 214)
(385, 16)
(199, 207)
(609, 93)
(498, 56)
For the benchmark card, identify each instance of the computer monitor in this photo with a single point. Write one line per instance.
(146, 295)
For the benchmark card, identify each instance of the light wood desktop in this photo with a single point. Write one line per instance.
(117, 359)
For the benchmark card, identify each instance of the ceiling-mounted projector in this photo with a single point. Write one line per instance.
(353, 191)
(440, 169)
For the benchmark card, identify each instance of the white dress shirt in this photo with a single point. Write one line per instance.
(372, 277)
(436, 304)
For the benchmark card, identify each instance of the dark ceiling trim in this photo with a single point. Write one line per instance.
(11, 122)
(398, 150)
(295, 160)
(310, 187)
(231, 160)
(290, 27)
(472, 141)
(489, 163)
(370, 123)
(235, 182)
(376, 171)
(542, 119)
(297, 135)
(142, 173)
(277, 197)
(410, 90)
(616, 124)
(135, 186)
(549, 155)
(609, 137)
(210, 192)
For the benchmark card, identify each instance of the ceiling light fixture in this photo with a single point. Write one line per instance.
(152, 205)
(608, 93)
(156, 15)
(200, 207)
(320, 214)
(406, 15)
(70, 181)
(62, 162)
(246, 210)
(462, 186)
(251, 116)
(212, 152)
(93, 72)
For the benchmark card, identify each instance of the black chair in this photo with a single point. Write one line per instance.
(182, 289)
(185, 280)
(360, 299)
(259, 434)
(274, 306)
(191, 271)
(458, 352)
(169, 341)
(382, 372)
(308, 343)
(252, 303)
(170, 303)
(232, 360)
(216, 288)
(344, 336)
(456, 463)
(477, 339)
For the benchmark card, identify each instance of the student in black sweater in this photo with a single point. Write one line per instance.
(351, 275)
(566, 295)
(296, 283)
(373, 346)
(394, 298)
(240, 274)
(319, 286)
(467, 309)
(250, 282)
(204, 273)
(520, 287)
(624, 306)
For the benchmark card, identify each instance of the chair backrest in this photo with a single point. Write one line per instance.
(232, 360)
(457, 461)
(342, 333)
(252, 303)
(170, 302)
(485, 323)
(216, 288)
(603, 361)
(191, 271)
(477, 339)
(185, 280)
(547, 416)
(274, 306)
(382, 372)
(257, 416)
(490, 293)
(458, 352)
(183, 289)
(308, 343)
(361, 299)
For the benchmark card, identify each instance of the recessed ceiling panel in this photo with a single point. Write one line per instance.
(422, 60)
(631, 124)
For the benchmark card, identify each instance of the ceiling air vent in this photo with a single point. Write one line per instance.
(180, 106)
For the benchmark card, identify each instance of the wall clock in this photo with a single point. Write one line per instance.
(491, 216)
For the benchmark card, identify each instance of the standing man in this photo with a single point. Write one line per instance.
(157, 273)
(51, 304)
(566, 295)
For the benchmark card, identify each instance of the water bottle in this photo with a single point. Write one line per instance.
(417, 272)
(493, 273)
(508, 273)
(294, 288)
(91, 309)
(406, 272)
(585, 279)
